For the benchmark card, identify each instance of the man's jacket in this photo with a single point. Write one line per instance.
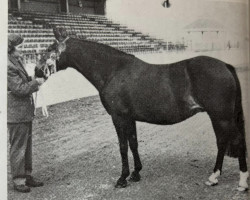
(20, 102)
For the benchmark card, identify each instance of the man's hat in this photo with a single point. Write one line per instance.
(13, 41)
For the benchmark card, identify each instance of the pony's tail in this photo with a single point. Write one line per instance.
(237, 144)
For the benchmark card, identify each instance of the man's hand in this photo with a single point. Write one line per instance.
(40, 80)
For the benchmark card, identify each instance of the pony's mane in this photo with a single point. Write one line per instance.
(108, 50)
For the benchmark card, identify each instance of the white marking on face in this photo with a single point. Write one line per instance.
(61, 47)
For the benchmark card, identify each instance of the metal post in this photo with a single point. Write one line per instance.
(67, 6)
(18, 5)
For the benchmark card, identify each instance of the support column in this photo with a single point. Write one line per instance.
(67, 6)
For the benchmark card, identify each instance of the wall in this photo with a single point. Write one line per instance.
(41, 6)
(88, 6)
(9, 4)
(208, 41)
(78, 10)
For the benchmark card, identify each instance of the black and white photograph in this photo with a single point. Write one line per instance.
(125, 100)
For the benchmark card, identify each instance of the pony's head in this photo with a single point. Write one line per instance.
(55, 55)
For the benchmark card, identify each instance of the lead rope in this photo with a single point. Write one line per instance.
(35, 102)
(44, 106)
(41, 95)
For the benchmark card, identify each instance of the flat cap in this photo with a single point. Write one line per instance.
(13, 41)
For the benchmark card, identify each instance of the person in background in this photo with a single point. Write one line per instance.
(20, 114)
(51, 63)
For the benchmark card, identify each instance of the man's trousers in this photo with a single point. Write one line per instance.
(20, 136)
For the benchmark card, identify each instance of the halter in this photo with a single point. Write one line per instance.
(65, 39)
(63, 42)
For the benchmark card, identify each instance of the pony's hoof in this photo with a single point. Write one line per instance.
(242, 189)
(135, 177)
(121, 183)
(209, 183)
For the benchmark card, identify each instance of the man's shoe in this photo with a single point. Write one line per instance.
(32, 183)
(22, 188)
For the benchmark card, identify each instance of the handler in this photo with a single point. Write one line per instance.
(20, 113)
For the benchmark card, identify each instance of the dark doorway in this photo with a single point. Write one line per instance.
(64, 5)
(13, 4)
(99, 7)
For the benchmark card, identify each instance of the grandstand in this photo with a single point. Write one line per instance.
(37, 30)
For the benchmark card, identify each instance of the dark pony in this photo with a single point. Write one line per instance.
(132, 90)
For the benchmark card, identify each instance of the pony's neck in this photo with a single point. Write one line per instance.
(97, 62)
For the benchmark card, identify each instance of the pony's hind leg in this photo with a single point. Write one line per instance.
(243, 185)
(133, 143)
(222, 131)
(229, 140)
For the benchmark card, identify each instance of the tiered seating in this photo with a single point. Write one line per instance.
(36, 28)
(36, 37)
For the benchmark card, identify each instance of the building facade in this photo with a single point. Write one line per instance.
(96, 7)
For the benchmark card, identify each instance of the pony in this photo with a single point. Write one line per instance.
(132, 90)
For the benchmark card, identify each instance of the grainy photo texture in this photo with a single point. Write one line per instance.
(115, 99)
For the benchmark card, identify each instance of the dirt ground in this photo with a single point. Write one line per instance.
(77, 156)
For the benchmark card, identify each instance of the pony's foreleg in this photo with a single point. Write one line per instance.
(133, 143)
(122, 128)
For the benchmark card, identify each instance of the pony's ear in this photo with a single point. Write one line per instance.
(60, 33)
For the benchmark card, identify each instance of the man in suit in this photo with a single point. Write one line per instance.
(20, 113)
